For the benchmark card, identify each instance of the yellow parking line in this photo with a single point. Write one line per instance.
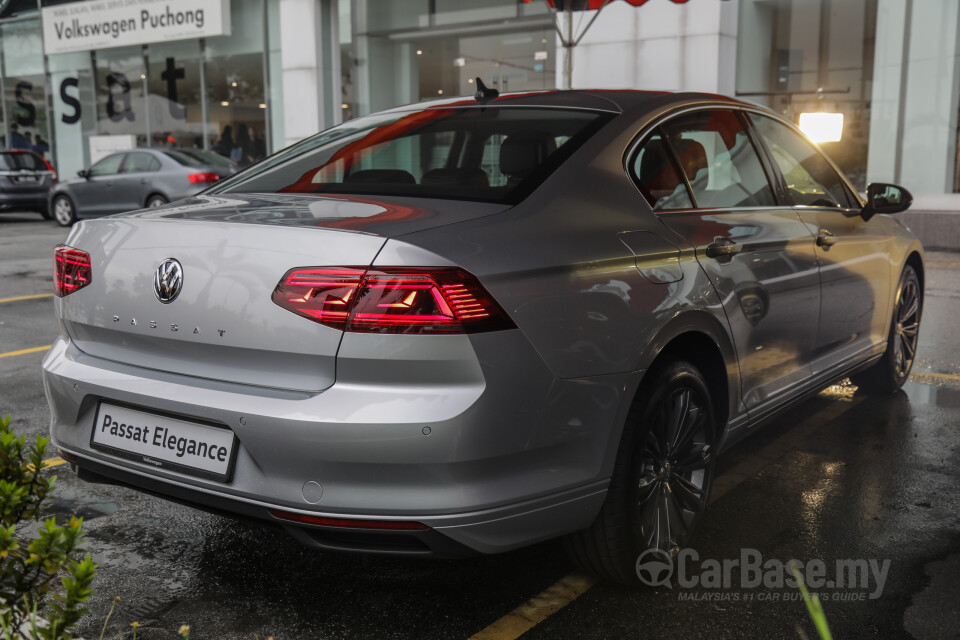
(21, 352)
(571, 587)
(537, 609)
(50, 462)
(33, 297)
(933, 374)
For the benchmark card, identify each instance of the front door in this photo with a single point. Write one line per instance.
(758, 255)
(853, 253)
(95, 196)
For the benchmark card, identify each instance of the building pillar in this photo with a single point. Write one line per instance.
(658, 46)
(310, 66)
(916, 80)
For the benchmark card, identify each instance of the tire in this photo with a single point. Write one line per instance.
(156, 200)
(892, 370)
(63, 211)
(652, 478)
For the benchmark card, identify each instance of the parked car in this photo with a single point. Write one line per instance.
(471, 325)
(131, 180)
(25, 181)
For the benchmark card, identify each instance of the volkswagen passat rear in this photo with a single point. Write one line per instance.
(478, 324)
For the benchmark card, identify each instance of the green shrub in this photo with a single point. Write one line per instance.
(44, 579)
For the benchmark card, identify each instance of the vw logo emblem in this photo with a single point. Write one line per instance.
(168, 280)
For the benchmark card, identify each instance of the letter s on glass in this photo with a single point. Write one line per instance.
(69, 100)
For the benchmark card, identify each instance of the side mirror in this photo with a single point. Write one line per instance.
(885, 198)
(84, 173)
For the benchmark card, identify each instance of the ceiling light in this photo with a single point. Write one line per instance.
(440, 91)
(224, 104)
(263, 106)
(822, 127)
(419, 52)
(344, 106)
(233, 84)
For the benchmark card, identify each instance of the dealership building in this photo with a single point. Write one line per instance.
(80, 79)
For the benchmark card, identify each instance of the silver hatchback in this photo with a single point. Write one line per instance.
(472, 325)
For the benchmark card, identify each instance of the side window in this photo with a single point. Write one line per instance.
(108, 166)
(140, 163)
(658, 177)
(719, 160)
(810, 179)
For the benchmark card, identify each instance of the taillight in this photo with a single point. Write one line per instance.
(71, 270)
(50, 167)
(199, 178)
(391, 300)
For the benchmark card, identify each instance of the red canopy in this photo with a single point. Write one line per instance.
(583, 5)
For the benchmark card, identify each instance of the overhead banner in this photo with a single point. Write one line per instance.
(101, 24)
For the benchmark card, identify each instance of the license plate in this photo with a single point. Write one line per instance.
(164, 441)
(27, 179)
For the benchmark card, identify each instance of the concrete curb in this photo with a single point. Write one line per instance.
(935, 229)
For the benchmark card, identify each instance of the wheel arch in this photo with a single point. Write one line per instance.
(152, 193)
(916, 261)
(700, 339)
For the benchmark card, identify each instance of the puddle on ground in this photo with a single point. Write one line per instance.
(933, 395)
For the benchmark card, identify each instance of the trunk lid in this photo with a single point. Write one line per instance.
(223, 324)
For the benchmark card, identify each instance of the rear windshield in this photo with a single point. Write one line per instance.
(491, 154)
(184, 158)
(13, 161)
(200, 157)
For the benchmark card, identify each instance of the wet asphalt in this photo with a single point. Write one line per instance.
(840, 477)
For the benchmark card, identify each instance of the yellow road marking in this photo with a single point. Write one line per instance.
(933, 374)
(537, 609)
(50, 462)
(571, 587)
(33, 297)
(21, 352)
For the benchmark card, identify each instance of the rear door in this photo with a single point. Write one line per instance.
(853, 253)
(95, 195)
(24, 174)
(757, 253)
(134, 180)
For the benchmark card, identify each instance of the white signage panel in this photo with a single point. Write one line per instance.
(101, 24)
(102, 146)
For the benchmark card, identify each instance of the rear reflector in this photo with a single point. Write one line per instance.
(69, 457)
(349, 523)
(391, 300)
(71, 270)
(198, 178)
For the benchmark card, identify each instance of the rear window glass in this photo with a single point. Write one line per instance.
(187, 160)
(208, 158)
(491, 154)
(16, 161)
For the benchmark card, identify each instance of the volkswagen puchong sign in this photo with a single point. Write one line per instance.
(101, 24)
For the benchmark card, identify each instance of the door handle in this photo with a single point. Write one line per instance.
(722, 247)
(826, 239)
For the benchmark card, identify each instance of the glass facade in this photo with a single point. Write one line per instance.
(210, 93)
(397, 52)
(803, 56)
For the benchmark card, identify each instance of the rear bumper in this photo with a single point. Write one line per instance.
(490, 459)
(34, 201)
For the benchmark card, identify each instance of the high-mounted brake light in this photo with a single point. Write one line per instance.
(71, 270)
(391, 300)
(349, 523)
(199, 178)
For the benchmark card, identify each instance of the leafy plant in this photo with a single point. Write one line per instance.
(814, 607)
(33, 602)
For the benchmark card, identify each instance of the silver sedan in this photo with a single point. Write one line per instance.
(132, 180)
(472, 325)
